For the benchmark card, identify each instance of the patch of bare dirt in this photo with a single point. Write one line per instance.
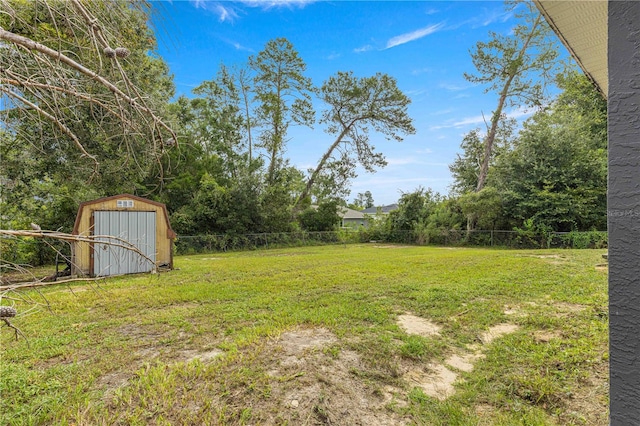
(296, 342)
(496, 332)
(436, 381)
(111, 382)
(281, 254)
(313, 385)
(412, 324)
(545, 336)
(564, 309)
(545, 256)
(514, 311)
(484, 414)
(464, 362)
(139, 332)
(589, 404)
(188, 355)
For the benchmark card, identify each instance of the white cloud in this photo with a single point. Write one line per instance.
(228, 13)
(333, 56)
(462, 96)
(487, 18)
(238, 46)
(424, 151)
(480, 119)
(416, 92)
(402, 161)
(362, 49)
(421, 71)
(453, 87)
(467, 121)
(492, 16)
(443, 111)
(414, 35)
(224, 12)
(270, 4)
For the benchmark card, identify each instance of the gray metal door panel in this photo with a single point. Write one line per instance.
(138, 228)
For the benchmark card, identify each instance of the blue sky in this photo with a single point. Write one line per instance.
(423, 44)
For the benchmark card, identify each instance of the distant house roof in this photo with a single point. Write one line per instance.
(347, 213)
(381, 209)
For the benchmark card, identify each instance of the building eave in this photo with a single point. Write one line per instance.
(582, 27)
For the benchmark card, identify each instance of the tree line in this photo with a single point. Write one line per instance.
(105, 121)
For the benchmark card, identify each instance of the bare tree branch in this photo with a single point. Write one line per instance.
(60, 57)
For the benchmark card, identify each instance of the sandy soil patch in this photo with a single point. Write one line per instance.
(309, 386)
(514, 311)
(188, 355)
(296, 342)
(545, 336)
(437, 382)
(412, 324)
(564, 309)
(496, 332)
(463, 362)
(545, 256)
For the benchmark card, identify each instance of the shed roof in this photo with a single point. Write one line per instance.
(583, 28)
(171, 233)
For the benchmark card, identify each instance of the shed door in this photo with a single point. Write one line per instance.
(138, 228)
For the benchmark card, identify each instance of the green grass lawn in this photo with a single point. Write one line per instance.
(311, 336)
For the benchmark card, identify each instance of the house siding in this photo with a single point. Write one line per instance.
(624, 211)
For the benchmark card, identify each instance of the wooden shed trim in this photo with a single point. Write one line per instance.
(170, 232)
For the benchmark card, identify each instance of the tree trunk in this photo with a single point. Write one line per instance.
(491, 135)
(323, 160)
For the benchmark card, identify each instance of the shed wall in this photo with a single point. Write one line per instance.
(84, 224)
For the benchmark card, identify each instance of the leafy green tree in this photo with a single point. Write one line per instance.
(355, 107)
(482, 209)
(81, 78)
(276, 200)
(516, 66)
(556, 176)
(445, 215)
(322, 218)
(283, 94)
(363, 201)
(219, 122)
(82, 119)
(413, 210)
(465, 169)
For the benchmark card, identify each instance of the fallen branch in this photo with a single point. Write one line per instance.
(47, 283)
(92, 239)
(29, 44)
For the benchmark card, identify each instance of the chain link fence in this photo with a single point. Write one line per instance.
(192, 244)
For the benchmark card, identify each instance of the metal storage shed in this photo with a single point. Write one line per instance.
(143, 223)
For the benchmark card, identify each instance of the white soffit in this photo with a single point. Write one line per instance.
(582, 27)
